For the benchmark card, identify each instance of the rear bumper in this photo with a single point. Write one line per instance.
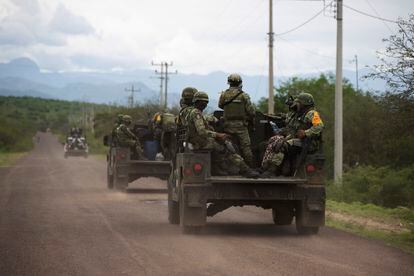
(261, 194)
(135, 169)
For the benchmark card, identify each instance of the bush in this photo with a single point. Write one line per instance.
(382, 186)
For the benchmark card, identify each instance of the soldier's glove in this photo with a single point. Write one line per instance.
(300, 134)
(221, 136)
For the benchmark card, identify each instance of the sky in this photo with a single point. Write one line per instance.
(197, 36)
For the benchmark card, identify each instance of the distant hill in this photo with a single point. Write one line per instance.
(22, 76)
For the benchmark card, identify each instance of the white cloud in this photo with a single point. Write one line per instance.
(66, 22)
(199, 36)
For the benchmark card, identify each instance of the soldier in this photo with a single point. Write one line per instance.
(238, 113)
(118, 122)
(186, 104)
(303, 121)
(126, 138)
(203, 137)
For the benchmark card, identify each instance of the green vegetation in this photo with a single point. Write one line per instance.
(9, 158)
(394, 226)
(22, 117)
(382, 186)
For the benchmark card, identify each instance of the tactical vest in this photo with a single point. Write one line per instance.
(168, 122)
(234, 106)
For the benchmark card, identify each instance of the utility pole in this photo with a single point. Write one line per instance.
(166, 78)
(338, 152)
(131, 97)
(271, 105)
(356, 72)
(161, 77)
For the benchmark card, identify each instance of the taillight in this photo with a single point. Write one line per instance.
(198, 168)
(120, 156)
(188, 172)
(310, 168)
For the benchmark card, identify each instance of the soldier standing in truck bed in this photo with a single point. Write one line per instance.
(201, 136)
(238, 113)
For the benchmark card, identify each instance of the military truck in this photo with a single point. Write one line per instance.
(123, 167)
(75, 145)
(195, 194)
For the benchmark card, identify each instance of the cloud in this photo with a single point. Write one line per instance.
(64, 21)
(25, 23)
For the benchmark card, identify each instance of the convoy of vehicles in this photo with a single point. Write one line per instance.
(195, 194)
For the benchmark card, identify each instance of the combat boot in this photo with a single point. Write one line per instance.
(267, 174)
(249, 173)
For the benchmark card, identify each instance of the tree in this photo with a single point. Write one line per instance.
(397, 60)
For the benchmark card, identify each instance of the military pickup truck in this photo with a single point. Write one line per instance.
(123, 169)
(75, 146)
(299, 192)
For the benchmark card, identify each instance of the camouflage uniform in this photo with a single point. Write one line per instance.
(306, 119)
(118, 122)
(238, 112)
(201, 136)
(186, 104)
(126, 138)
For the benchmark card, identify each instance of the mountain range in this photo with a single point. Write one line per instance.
(23, 77)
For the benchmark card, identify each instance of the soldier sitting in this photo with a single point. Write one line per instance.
(126, 138)
(303, 127)
(201, 136)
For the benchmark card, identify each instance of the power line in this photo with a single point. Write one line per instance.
(302, 24)
(375, 11)
(370, 15)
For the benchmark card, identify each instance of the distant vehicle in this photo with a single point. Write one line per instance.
(76, 145)
(299, 192)
(123, 169)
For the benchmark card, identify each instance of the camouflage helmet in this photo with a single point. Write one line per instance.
(127, 119)
(200, 96)
(234, 79)
(188, 93)
(119, 117)
(305, 99)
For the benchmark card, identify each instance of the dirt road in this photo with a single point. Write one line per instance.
(58, 218)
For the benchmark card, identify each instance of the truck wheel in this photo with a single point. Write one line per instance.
(173, 208)
(283, 215)
(191, 218)
(109, 179)
(121, 183)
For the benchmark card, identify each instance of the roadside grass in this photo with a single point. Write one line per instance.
(7, 159)
(393, 226)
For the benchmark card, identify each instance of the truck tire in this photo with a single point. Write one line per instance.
(120, 183)
(109, 179)
(191, 218)
(283, 214)
(173, 206)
